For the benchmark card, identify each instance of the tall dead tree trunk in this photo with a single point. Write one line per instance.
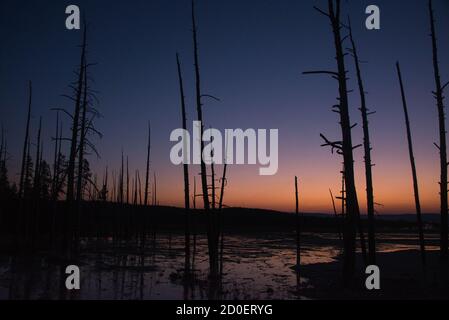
(412, 163)
(194, 192)
(82, 142)
(135, 189)
(155, 189)
(186, 171)
(199, 109)
(127, 181)
(122, 175)
(298, 229)
(345, 146)
(212, 232)
(220, 208)
(25, 143)
(367, 149)
(442, 146)
(140, 188)
(55, 160)
(148, 164)
(75, 123)
(212, 169)
(36, 183)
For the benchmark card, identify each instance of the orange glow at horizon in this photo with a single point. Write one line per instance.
(245, 188)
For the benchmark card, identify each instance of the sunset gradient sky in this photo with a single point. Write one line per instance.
(252, 54)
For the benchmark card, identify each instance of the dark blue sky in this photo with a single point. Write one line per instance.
(252, 54)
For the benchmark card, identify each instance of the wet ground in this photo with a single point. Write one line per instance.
(255, 267)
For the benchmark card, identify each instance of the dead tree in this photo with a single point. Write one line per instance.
(412, 163)
(55, 160)
(135, 189)
(147, 174)
(81, 147)
(298, 230)
(36, 183)
(140, 188)
(121, 181)
(199, 109)
(345, 146)
(186, 171)
(220, 209)
(75, 122)
(438, 94)
(60, 172)
(194, 193)
(212, 170)
(25, 143)
(367, 149)
(87, 129)
(127, 181)
(212, 230)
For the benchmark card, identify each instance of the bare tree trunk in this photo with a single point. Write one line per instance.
(194, 192)
(186, 173)
(148, 164)
(75, 123)
(345, 147)
(140, 188)
(212, 168)
(199, 109)
(55, 160)
(414, 175)
(298, 235)
(212, 233)
(220, 208)
(36, 183)
(442, 146)
(81, 147)
(25, 143)
(127, 181)
(343, 194)
(121, 179)
(135, 189)
(36, 188)
(155, 189)
(368, 164)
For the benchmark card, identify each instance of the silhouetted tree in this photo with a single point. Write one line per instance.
(28, 174)
(55, 159)
(412, 163)
(75, 121)
(186, 171)
(5, 190)
(212, 230)
(345, 146)
(367, 149)
(25, 150)
(438, 94)
(147, 171)
(36, 183)
(199, 109)
(298, 231)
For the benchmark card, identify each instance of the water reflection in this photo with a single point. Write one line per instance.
(254, 268)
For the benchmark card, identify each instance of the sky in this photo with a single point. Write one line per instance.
(252, 54)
